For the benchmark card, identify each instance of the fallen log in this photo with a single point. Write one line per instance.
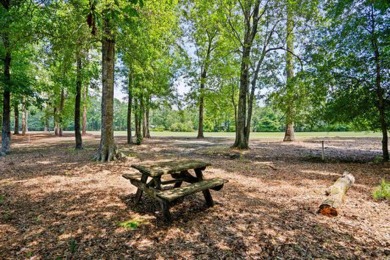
(336, 194)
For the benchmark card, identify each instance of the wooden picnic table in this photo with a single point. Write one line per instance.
(149, 180)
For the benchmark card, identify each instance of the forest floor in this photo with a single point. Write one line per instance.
(56, 203)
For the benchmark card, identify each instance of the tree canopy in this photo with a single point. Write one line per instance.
(247, 65)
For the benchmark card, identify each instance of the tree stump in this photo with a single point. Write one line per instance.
(336, 194)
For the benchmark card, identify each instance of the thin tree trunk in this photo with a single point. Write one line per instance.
(47, 127)
(85, 103)
(24, 117)
(380, 92)
(6, 126)
(77, 112)
(55, 122)
(251, 24)
(203, 78)
(62, 104)
(381, 103)
(107, 149)
(143, 123)
(138, 119)
(129, 105)
(147, 128)
(16, 122)
(289, 134)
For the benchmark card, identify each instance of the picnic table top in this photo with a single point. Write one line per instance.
(168, 167)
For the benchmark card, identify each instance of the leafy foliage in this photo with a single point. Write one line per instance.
(382, 191)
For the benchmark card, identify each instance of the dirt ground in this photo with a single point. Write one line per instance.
(56, 203)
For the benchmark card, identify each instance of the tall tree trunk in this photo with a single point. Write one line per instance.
(380, 92)
(6, 126)
(240, 141)
(60, 117)
(203, 78)
(24, 116)
(6, 118)
(16, 122)
(251, 24)
(85, 103)
(146, 119)
(143, 123)
(235, 108)
(138, 119)
(289, 134)
(107, 149)
(47, 127)
(55, 121)
(129, 105)
(77, 112)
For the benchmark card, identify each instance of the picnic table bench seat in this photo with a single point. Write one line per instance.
(173, 194)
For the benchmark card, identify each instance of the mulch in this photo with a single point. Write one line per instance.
(56, 203)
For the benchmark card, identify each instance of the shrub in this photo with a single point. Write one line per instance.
(182, 127)
(382, 191)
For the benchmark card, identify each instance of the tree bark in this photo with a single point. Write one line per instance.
(77, 110)
(336, 194)
(289, 134)
(107, 149)
(85, 103)
(380, 93)
(146, 120)
(6, 118)
(203, 78)
(129, 106)
(16, 122)
(6, 125)
(24, 116)
(250, 22)
(62, 104)
(138, 119)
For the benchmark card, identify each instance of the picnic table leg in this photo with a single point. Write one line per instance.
(138, 195)
(165, 210)
(206, 193)
(179, 183)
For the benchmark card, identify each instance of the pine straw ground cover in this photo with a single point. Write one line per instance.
(55, 203)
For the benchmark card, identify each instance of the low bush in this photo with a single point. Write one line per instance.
(382, 191)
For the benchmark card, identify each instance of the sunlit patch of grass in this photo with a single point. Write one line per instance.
(2, 198)
(382, 191)
(132, 224)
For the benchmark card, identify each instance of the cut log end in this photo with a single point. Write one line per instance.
(327, 210)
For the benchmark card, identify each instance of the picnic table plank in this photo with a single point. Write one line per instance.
(158, 169)
(173, 194)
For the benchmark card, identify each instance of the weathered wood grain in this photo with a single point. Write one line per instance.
(160, 168)
(173, 194)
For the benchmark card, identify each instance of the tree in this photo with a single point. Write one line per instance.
(114, 15)
(289, 132)
(203, 27)
(260, 20)
(6, 125)
(15, 32)
(353, 60)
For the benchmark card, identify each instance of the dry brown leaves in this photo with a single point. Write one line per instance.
(57, 203)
